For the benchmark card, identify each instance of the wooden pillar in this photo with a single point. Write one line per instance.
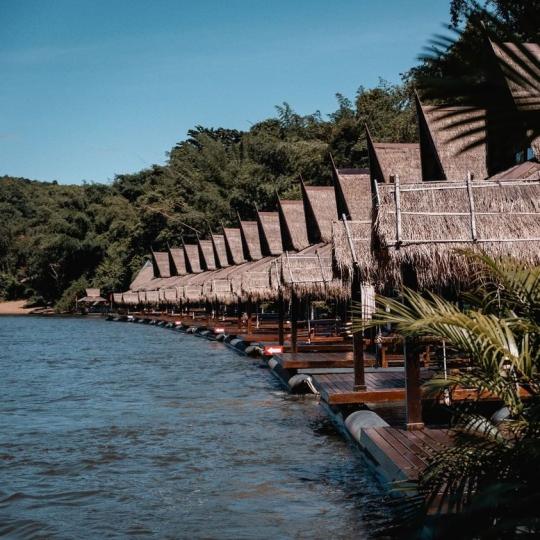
(413, 385)
(281, 317)
(239, 315)
(358, 337)
(295, 308)
(249, 313)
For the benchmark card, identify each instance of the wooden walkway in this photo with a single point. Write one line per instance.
(400, 454)
(307, 360)
(381, 387)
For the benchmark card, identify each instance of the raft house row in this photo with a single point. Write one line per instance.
(281, 286)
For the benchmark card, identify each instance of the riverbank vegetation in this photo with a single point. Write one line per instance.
(57, 239)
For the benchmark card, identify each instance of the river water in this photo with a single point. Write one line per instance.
(113, 430)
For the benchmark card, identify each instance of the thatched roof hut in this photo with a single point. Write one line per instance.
(293, 225)
(255, 283)
(353, 192)
(310, 272)
(388, 160)
(193, 260)
(160, 260)
(145, 274)
(233, 243)
(251, 239)
(220, 250)
(270, 233)
(452, 142)
(177, 261)
(206, 254)
(419, 226)
(118, 298)
(320, 209)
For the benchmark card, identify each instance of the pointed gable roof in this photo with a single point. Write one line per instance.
(353, 189)
(388, 160)
(293, 225)
(206, 254)
(177, 261)
(193, 260)
(321, 210)
(144, 275)
(270, 233)
(160, 260)
(251, 239)
(220, 250)
(452, 142)
(233, 243)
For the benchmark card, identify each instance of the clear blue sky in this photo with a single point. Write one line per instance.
(91, 88)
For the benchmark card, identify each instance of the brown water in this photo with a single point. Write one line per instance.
(113, 430)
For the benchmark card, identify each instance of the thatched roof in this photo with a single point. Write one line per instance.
(353, 192)
(270, 233)
(310, 272)
(251, 239)
(220, 250)
(255, 283)
(118, 298)
(321, 209)
(206, 254)
(293, 225)
(233, 243)
(388, 160)
(170, 295)
(352, 244)
(131, 298)
(193, 259)
(177, 261)
(160, 260)
(145, 274)
(452, 142)
(528, 170)
(436, 218)
(519, 65)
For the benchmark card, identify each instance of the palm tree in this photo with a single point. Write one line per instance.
(489, 482)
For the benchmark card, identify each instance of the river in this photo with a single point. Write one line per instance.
(114, 430)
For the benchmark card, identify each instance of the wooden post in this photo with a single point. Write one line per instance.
(358, 338)
(249, 313)
(281, 316)
(398, 210)
(413, 385)
(294, 322)
(471, 206)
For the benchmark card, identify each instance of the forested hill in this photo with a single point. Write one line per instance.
(57, 239)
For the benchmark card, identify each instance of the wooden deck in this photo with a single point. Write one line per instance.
(400, 454)
(381, 387)
(307, 360)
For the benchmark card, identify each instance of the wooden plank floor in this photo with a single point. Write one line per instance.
(402, 454)
(306, 360)
(381, 387)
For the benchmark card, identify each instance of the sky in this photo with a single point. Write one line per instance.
(94, 88)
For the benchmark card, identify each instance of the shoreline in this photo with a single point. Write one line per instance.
(18, 307)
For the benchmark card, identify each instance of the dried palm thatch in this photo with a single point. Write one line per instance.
(352, 245)
(193, 259)
(118, 298)
(160, 260)
(145, 274)
(388, 160)
(353, 191)
(193, 293)
(255, 283)
(206, 254)
(310, 272)
(251, 240)
(170, 296)
(419, 226)
(152, 297)
(233, 243)
(520, 66)
(130, 298)
(293, 225)
(528, 170)
(177, 261)
(270, 233)
(321, 209)
(453, 142)
(220, 250)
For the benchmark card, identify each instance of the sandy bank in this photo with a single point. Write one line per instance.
(17, 307)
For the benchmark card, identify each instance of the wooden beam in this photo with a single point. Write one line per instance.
(358, 337)
(295, 308)
(413, 386)
(281, 317)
